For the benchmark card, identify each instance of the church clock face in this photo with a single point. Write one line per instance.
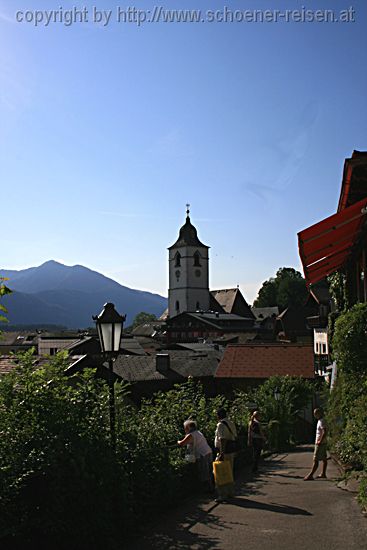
(197, 272)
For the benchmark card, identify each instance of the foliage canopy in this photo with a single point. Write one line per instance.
(286, 289)
(3, 291)
(143, 317)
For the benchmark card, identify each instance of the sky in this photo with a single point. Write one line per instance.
(107, 131)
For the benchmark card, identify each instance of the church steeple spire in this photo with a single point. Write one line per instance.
(188, 211)
(188, 235)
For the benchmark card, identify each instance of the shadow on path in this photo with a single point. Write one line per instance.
(272, 507)
(285, 475)
(179, 535)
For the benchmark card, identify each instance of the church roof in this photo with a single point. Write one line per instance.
(231, 300)
(225, 298)
(188, 236)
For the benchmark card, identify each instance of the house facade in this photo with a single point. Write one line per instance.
(338, 244)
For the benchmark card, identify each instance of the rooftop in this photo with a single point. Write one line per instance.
(225, 297)
(188, 236)
(10, 362)
(18, 338)
(265, 360)
(262, 313)
(182, 365)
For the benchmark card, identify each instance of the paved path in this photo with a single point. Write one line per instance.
(277, 510)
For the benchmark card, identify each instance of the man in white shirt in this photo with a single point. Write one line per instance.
(225, 433)
(320, 452)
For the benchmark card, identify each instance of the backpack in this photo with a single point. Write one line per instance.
(232, 446)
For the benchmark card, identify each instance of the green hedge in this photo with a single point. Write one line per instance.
(61, 484)
(279, 417)
(347, 407)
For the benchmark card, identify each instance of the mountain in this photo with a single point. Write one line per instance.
(53, 293)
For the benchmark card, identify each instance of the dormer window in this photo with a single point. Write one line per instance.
(197, 259)
(178, 260)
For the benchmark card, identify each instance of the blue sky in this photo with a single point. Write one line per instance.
(106, 133)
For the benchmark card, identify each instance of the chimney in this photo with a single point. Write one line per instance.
(162, 362)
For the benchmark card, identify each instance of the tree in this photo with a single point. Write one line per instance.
(287, 288)
(3, 291)
(143, 317)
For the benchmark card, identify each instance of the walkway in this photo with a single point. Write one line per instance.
(277, 510)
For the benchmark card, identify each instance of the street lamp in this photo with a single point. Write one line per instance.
(277, 434)
(109, 326)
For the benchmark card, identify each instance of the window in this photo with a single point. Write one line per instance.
(324, 349)
(178, 260)
(177, 306)
(197, 259)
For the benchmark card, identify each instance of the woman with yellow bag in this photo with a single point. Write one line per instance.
(226, 443)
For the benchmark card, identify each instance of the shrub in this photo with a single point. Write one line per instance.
(60, 479)
(350, 340)
(56, 462)
(62, 484)
(347, 408)
(362, 493)
(294, 395)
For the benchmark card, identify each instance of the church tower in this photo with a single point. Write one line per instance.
(188, 272)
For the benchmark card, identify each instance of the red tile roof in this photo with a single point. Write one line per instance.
(265, 360)
(7, 363)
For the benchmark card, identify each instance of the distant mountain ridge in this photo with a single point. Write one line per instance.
(54, 293)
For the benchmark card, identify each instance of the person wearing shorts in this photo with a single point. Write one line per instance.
(320, 452)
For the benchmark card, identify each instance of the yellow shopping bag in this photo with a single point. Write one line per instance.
(223, 474)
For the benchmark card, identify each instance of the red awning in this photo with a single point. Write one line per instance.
(325, 246)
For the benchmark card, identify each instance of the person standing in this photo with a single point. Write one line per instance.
(225, 433)
(320, 452)
(255, 439)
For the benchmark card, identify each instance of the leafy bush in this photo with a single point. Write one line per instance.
(56, 462)
(281, 416)
(148, 439)
(362, 494)
(347, 407)
(4, 290)
(350, 340)
(60, 479)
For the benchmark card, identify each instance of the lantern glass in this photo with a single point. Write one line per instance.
(107, 331)
(117, 336)
(276, 394)
(109, 325)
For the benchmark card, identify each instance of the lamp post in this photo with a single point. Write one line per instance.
(277, 398)
(109, 325)
(277, 437)
(276, 394)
